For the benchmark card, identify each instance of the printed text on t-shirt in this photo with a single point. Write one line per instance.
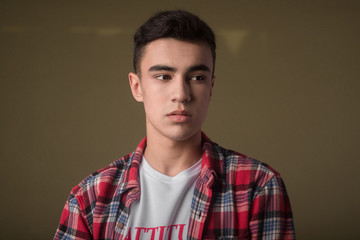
(156, 233)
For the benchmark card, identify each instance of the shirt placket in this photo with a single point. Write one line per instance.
(201, 203)
(122, 220)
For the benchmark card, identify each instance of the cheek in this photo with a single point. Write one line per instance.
(152, 103)
(204, 103)
(204, 96)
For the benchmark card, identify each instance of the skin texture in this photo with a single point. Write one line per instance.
(175, 87)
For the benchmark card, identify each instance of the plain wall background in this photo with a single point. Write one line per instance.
(286, 93)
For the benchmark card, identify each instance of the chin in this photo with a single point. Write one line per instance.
(183, 135)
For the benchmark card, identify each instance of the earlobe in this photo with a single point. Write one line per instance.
(135, 86)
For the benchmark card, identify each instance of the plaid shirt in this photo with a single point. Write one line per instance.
(235, 197)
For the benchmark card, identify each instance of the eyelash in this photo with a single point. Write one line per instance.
(165, 77)
(198, 76)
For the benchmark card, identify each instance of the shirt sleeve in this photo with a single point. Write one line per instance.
(73, 223)
(271, 215)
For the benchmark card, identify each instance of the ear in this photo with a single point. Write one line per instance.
(212, 84)
(135, 86)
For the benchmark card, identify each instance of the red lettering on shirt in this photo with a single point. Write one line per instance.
(170, 230)
(181, 230)
(138, 232)
(128, 236)
(142, 232)
(161, 235)
(153, 230)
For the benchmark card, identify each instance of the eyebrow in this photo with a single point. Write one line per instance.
(200, 67)
(162, 68)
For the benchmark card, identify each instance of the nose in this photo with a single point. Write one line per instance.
(181, 91)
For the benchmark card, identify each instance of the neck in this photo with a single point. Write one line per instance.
(170, 157)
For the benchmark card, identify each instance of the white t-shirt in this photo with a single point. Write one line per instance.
(163, 209)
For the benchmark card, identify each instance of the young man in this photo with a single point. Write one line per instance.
(177, 184)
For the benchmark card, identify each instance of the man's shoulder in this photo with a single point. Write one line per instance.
(238, 168)
(103, 180)
(244, 162)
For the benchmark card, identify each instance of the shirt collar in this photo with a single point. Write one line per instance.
(210, 161)
(210, 167)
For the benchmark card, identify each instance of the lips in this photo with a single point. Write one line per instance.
(179, 116)
(180, 112)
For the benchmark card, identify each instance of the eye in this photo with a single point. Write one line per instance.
(163, 77)
(197, 78)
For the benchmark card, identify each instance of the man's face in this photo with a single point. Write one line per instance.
(175, 87)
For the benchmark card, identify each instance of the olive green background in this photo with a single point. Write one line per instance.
(286, 93)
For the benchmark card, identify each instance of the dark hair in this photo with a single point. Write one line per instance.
(178, 24)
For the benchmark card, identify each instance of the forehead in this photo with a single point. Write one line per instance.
(176, 53)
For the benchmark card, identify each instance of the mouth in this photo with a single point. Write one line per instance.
(180, 116)
(180, 113)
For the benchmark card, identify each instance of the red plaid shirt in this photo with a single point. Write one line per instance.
(235, 197)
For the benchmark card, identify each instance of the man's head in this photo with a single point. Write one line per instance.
(174, 66)
(180, 25)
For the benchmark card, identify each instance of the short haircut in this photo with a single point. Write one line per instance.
(178, 24)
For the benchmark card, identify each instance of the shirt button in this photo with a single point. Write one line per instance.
(120, 225)
(134, 191)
